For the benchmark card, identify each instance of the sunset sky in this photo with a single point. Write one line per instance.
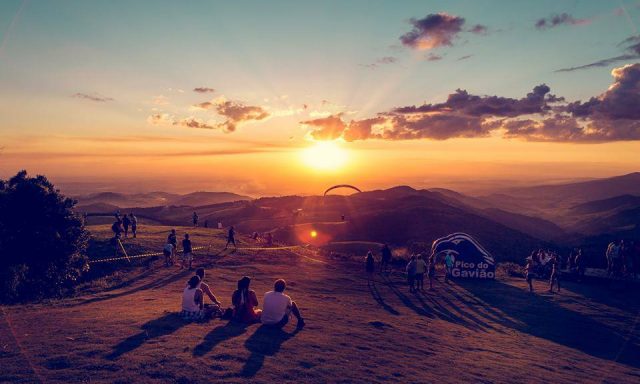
(293, 96)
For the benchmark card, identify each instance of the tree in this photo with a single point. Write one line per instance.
(42, 241)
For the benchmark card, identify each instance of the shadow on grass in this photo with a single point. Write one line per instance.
(218, 335)
(265, 341)
(165, 325)
(151, 285)
(545, 319)
(375, 293)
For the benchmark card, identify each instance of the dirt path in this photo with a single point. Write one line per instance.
(357, 331)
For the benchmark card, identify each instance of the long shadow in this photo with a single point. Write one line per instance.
(545, 319)
(265, 341)
(378, 298)
(406, 300)
(218, 335)
(151, 285)
(604, 294)
(165, 325)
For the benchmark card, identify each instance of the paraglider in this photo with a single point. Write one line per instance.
(341, 186)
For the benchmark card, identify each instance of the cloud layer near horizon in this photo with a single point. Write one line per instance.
(538, 116)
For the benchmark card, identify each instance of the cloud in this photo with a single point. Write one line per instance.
(558, 20)
(614, 115)
(433, 57)
(631, 46)
(192, 122)
(465, 57)
(433, 31)
(93, 97)
(326, 128)
(479, 29)
(237, 113)
(203, 90)
(386, 60)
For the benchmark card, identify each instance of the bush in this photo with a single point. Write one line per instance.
(42, 241)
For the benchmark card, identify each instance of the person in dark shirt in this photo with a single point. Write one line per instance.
(125, 223)
(195, 219)
(231, 238)
(173, 240)
(555, 273)
(386, 259)
(369, 265)
(134, 225)
(187, 252)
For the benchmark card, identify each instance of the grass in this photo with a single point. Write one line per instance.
(124, 328)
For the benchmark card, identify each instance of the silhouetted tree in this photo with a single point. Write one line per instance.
(42, 241)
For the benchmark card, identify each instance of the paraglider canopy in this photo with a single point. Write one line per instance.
(340, 186)
(465, 255)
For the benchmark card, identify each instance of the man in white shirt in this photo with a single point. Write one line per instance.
(277, 306)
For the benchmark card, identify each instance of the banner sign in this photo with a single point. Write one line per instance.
(469, 258)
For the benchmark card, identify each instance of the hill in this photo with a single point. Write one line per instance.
(358, 330)
(155, 199)
(611, 204)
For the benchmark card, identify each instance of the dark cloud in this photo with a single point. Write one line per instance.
(620, 101)
(465, 57)
(539, 116)
(631, 46)
(433, 31)
(433, 57)
(93, 97)
(560, 19)
(203, 90)
(537, 101)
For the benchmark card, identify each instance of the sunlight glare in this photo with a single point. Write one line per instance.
(325, 156)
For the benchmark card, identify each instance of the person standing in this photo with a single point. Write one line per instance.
(448, 264)
(421, 269)
(167, 251)
(385, 262)
(134, 225)
(411, 273)
(369, 265)
(431, 270)
(195, 219)
(277, 306)
(173, 240)
(116, 227)
(125, 224)
(187, 252)
(231, 238)
(528, 273)
(555, 273)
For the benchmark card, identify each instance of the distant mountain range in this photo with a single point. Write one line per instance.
(111, 201)
(510, 222)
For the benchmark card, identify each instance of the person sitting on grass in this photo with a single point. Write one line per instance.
(187, 253)
(215, 305)
(277, 306)
(192, 300)
(244, 302)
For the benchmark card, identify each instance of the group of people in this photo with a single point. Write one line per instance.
(122, 224)
(538, 264)
(416, 268)
(267, 238)
(623, 258)
(170, 250)
(276, 309)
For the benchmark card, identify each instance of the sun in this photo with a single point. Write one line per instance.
(325, 156)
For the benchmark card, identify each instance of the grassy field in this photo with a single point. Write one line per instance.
(124, 328)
